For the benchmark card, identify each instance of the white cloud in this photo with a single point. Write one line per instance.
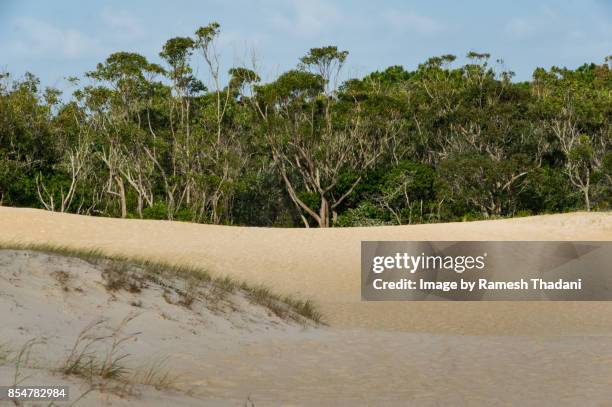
(306, 18)
(409, 21)
(238, 38)
(123, 24)
(39, 38)
(520, 28)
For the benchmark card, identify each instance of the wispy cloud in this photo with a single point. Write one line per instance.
(412, 22)
(123, 24)
(306, 18)
(520, 28)
(550, 25)
(39, 38)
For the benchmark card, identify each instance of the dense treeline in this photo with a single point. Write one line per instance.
(443, 142)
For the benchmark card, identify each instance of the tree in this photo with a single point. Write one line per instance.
(446, 141)
(577, 115)
(27, 145)
(314, 139)
(222, 156)
(120, 123)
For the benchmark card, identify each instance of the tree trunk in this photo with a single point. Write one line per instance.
(324, 213)
(140, 205)
(122, 200)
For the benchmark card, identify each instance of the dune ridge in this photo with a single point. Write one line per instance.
(372, 353)
(323, 264)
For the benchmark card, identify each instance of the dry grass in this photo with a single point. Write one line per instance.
(63, 278)
(110, 373)
(22, 359)
(284, 307)
(130, 274)
(190, 293)
(119, 275)
(97, 357)
(84, 361)
(226, 284)
(5, 353)
(156, 374)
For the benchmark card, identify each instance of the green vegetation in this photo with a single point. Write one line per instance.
(443, 142)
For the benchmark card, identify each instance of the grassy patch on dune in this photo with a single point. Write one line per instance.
(98, 358)
(117, 277)
(281, 305)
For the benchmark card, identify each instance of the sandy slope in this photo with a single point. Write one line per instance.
(324, 265)
(194, 344)
(395, 353)
(223, 358)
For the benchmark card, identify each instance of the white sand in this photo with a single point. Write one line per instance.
(397, 353)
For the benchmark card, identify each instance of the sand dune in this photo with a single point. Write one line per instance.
(324, 265)
(238, 355)
(52, 298)
(383, 353)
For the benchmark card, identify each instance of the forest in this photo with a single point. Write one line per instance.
(444, 142)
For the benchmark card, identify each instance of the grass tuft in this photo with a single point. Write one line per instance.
(5, 353)
(83, 360)
(118, 275)
(157, 375)
(22, 359)
(283, 307)
(226, 284)
(63, 278)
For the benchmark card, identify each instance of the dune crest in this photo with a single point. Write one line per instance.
(380, 353)
(324, 264)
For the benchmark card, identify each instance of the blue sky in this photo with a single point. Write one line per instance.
(55, 39)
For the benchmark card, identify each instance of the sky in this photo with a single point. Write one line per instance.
(58, 39)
